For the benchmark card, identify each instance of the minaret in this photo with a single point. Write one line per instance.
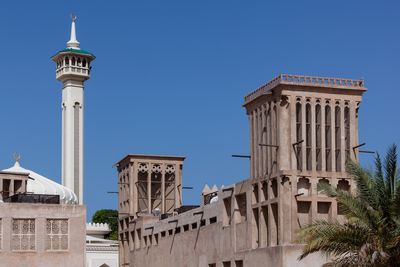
(73, 69)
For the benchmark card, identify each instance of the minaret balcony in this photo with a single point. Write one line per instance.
(73, 70)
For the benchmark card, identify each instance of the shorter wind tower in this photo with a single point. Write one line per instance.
(73, 69)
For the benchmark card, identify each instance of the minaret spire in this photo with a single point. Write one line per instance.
(73, 43)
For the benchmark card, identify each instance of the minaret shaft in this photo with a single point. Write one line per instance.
(72, 136)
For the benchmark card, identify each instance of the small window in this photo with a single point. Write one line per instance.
(202, 222)
(57, 234)
(73, 61)
(84, 63)
(186, 227)
(163, 234)
(177, 230)
(23, 234)
(239, 263)
(213, 220)
(194, 225)
(170, 232)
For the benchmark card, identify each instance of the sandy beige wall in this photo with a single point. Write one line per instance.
(74, 256)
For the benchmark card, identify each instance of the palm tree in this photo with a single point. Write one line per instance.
(371, 234)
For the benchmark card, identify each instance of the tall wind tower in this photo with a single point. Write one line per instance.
(73, 69)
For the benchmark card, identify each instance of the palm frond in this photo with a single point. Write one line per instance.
(366, 187)
(353, 208)
(390, 169)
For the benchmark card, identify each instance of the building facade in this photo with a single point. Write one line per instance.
(100, 252)
(302, 131)
(148, 185)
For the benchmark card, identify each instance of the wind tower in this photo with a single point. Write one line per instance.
(73, 69)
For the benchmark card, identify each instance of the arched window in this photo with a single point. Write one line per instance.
(73, 61)
(298, 136)
(343, 185)
(84, 63)
(303, 187)
(269, 138)
(322, 181)
(337, 140)
(347, 131)
(66, 61)
(265, 140)
(308, 137)
(79, 62)
(328, 138)
(318, 156)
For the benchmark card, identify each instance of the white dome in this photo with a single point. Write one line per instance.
(43, 185)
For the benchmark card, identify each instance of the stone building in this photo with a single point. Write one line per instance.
(40, 224)
(100, 252)
(43, 223)
(302, 131)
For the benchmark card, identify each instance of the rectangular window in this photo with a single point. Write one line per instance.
(318, 137)
(337, 139)
(239, 263)
(213, 220)
(308, 138)
(298, 136)
(328, 140)
(226, 264)
(57, 234)
(23, 234)
(347, 131)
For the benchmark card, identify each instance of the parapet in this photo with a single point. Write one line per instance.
(301, 80)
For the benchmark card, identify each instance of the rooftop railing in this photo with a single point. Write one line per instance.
(304, 80)
(33, 198)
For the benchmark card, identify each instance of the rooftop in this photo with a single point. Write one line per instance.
(74, 50)
(151, 157)
(302, 80)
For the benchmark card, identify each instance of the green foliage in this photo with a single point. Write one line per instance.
(371, 234)
(110, 217)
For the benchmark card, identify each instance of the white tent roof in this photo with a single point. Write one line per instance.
(42, 185)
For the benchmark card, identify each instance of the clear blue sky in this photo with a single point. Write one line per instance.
(170, 77)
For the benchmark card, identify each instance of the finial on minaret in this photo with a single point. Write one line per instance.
(73, 43)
